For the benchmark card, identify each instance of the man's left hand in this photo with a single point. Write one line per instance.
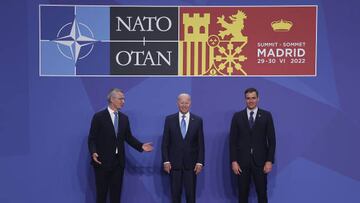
(267, 167)
(198, 168)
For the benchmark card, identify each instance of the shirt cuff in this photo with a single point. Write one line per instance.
(167, 162)
(199, 164)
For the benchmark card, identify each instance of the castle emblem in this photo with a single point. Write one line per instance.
(217, 54)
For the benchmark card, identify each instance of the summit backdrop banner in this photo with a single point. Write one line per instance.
(95, 40)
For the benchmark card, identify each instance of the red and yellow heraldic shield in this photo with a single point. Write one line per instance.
(248, 41)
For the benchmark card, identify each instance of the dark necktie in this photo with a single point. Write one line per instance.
(251, 119)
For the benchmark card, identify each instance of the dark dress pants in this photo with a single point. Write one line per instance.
(260, 180)
(109, 180)
(180, 178)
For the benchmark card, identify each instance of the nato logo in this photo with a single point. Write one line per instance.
(74, 40)
(104, 41)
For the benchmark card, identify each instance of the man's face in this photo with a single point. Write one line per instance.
(184, 103)
(118, 100)
(251, 100)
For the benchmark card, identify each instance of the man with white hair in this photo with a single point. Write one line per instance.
(183, 149)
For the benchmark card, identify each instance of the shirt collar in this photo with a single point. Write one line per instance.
(111, 111)
(255, 110)
(187, 115)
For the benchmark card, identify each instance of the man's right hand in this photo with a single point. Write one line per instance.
(236, 168)
(167, 167)
(95, 158)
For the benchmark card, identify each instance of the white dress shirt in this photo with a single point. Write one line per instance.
(255, 110)
(112, 115)
(187, 119)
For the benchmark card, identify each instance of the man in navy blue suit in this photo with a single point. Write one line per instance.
(252, 147)
(183, 149)
(109, 131)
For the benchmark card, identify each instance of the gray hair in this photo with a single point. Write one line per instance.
(183, 94)
(112, 92)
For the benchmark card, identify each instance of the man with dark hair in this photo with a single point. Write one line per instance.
(251, 89)
(252, 147)
(108, 132)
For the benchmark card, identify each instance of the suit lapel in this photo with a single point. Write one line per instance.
(245, 119)
(258, 117)
(191, 124)
(121, 124)
(108, 118)
(177, 124)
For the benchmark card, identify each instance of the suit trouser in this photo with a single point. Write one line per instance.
(260, 181)
(180, 178)
(109, 180)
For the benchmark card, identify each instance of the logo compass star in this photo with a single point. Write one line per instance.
(75, 41)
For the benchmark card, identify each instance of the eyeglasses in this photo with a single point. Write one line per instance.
(119, 98)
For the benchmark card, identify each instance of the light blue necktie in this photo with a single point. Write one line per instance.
(183, 126)
(116, 122)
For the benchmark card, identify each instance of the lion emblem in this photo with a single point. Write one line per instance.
(233, 28)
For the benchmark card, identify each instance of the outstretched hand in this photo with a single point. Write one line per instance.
(147, 147)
